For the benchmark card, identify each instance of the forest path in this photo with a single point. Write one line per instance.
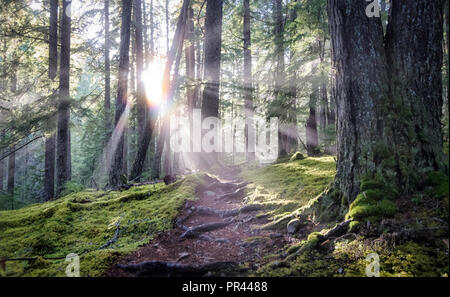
(213, 235)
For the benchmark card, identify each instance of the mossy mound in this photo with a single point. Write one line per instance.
(84, 222)
(374, 202)
(288, 186)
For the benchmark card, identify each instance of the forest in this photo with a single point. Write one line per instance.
(250, 138)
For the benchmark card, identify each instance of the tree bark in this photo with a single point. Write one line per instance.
(63, 161)
(213, 47)
(248, 87)
(167, 92)
(414, 57)
(107, 70)
(122, 89)
(359, 67)
(50, 141)
(49, 174)
(312, 137)
(141, 104)
(53, 40)
(11, 170)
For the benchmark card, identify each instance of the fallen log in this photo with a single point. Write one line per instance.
(161, 268)
(196, 231)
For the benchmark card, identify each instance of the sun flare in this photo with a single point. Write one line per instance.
(153, 79)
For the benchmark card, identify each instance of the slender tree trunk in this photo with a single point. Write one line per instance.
(122, 89)
(168, 90)
(49, 178)
(50, 141)
(167, 25)
(191, 91)
(248, 88)
(63, 160)
(53, 40)
(213, 46)
(279, 108)
(312, 138)
(323, 95)
(141, 105)
(2, 175)
(292, 135)
(11, 170)
(107, 70)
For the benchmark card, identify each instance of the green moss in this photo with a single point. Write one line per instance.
(372, 203)
(83, 222)
(297, 156)
(440, 184)
(288, 186)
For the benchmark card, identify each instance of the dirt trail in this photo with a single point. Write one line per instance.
(236, 240)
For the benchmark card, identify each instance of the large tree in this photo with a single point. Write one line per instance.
(63, 160)
(50, 141)
(371, 90)
(122, 89)
(213, 47)
(248, 92)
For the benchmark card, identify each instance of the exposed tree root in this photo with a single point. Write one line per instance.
(195, 231)
(207, 211)
(225, 187)
(161, 268)
(239, 193)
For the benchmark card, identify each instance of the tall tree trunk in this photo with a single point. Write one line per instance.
(122, 89)
(213, 47)
(168, 89)
(141, 105)
(49, 174)
(191, 91)
(312, 137)
(107, 70)
(357, 52)
(323, 95)
(292, 130)
(53, 40)
(63, 160)
(50, 141)
(414, 57)
(167, 25)
(2, 174)
(279, 108)
(11, 170)
(248, 88)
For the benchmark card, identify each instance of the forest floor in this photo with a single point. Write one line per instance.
(235, 238)
(230, 222)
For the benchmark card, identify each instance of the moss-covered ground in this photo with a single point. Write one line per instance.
(407, 232)
(84, 223)
(289, 185)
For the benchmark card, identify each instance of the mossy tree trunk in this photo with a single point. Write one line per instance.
(359, 66)
(388, 100)
(414, 57)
